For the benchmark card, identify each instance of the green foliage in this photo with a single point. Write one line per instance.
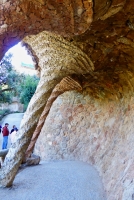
(5, 111)
(9, 79)
(5, 97)
(15, 84)
(5, 68)
(27, 89)
(13, 79)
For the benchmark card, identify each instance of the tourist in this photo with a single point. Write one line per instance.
(0, 128)
(14, 129)
(13, 135)
(5, 133)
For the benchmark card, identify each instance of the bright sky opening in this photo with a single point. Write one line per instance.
(20, 56)
(20, 59)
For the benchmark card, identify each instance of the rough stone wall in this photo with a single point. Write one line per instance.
(19, 18)
(105, 62)
(70, 60)
(66, 84)
(14, 106)
(80, 127)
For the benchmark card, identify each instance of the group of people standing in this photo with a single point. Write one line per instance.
(5, 131)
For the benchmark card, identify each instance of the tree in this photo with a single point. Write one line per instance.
(9, 79)
(5, 68)
(15, 84)
(27, 89)
(5, 86)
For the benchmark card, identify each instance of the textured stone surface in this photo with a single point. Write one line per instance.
(21, 18)
(71, 61)
(100, 132)
(33, 160)
(66, 84)
(3, 154)
(99, 49)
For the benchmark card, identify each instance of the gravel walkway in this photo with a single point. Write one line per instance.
(59, 180)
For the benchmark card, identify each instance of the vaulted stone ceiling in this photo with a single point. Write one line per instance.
(24, 17)
(91, 39)
(104, 30)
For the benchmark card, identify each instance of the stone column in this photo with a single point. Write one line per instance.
(58, 58)
(66, 84)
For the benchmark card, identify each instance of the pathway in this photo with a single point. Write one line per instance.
(57, 180)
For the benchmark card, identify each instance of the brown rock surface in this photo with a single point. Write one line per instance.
(33, 160)
(66, 84)
(98, 47)
(51, 75)
(97, 131)
(24, 17)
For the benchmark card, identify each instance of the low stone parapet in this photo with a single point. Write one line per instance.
(3, 154)
(33, 160)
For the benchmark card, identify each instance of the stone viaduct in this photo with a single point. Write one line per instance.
(86, 46)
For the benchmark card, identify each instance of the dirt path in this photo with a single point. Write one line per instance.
(11, 119)
(59, 180)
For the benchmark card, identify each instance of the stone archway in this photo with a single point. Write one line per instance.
(25, 17)
(66, 84)
(98, 47)
(72, 61)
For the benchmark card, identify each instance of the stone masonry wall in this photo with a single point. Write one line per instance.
(97, 132)
(14, 106)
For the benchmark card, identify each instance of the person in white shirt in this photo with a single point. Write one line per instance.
(13, 136)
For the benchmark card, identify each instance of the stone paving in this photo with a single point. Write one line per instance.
(57, 180)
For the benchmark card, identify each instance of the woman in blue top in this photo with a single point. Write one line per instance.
(14, 129)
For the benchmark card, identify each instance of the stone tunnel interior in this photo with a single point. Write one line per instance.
(84, 52)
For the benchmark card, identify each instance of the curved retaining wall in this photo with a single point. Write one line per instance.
(98, 132)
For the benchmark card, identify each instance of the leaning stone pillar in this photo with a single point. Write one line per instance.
(58, 58)
(66, 84)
